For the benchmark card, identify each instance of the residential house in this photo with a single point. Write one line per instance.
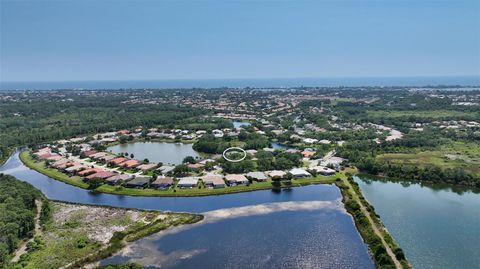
(213, 181)
(257, 176)
(101, 175)
(195, 166)
(187, 182)
(236, 179)
(89, 171)
(75, 168)
(146, 167)
(166, 168)
(276, 174)
(308, 154)
(117, 161)
(130, 164)
(322, 170)
(299, 173)
(138, 182)
(119, 178)
(162, 182)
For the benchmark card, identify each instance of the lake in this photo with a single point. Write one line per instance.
(304, 226)
(319, 238)
(437, 228)
(166, 153)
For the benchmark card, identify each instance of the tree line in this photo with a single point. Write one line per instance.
(17, 214)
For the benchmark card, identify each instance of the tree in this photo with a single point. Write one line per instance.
(181, 170)
(94, 183)
(123, 139)
(189, 159)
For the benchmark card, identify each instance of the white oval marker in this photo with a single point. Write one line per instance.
(234, 149)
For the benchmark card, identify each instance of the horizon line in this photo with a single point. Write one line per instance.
(243, 78)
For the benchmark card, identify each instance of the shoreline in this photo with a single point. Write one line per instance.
(373, 232)
(56, 175)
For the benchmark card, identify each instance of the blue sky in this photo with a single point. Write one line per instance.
(122, 40)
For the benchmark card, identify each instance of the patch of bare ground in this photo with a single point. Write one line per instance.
(80, 234)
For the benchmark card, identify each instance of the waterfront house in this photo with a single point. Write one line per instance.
(119, 178)
(130, 164)
(322, 170)
(187, 182)
(117, 161)
(195, 166)
(276, 174)
(299, 173)
(162, 182)
(146, 167)
(257, 176)
(213, 181)
(236, 179)
(138, 182)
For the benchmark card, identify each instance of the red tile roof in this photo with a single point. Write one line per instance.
(102, 175)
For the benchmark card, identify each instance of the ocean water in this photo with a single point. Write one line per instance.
(241, 83)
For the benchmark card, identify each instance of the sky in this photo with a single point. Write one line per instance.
(139, 40)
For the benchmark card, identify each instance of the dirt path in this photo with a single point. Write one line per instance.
(375, 227)
(23, 248)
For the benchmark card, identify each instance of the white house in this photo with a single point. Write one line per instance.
(298, 172)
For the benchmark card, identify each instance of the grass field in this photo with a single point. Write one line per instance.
(77, 181)
(453, 155)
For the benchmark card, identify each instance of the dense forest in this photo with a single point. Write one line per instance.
(17, 213)
(35, 117)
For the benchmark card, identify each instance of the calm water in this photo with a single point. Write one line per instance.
(166, 153)
(237, 124)
(287, 239)
(57, 190)
(302, 227)
(215, 83)
(277, 145)
(436, 228)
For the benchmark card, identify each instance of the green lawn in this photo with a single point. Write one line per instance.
(202, 191)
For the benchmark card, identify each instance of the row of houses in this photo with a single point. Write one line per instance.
(118, 161)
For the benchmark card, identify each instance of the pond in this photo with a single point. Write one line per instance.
(436, 227)
(238, 124)
(304, 226)
(277, 145)
(166, 153)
